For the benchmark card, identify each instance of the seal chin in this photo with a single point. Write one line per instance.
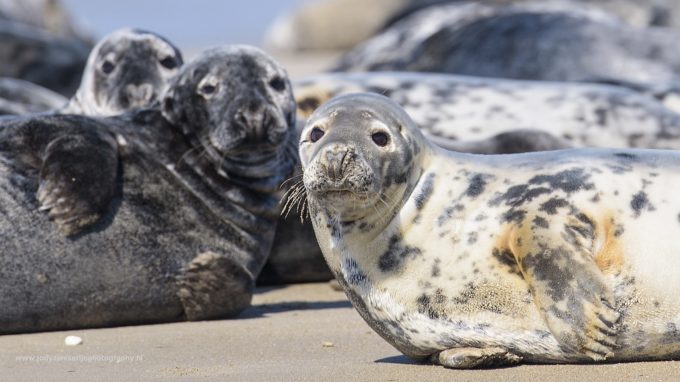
(251, 162)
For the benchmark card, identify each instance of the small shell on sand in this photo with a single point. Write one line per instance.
(73, 341)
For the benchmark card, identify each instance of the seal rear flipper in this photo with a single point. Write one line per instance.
(78, 179)
(570, 289)
(468, 357)
(214, 286)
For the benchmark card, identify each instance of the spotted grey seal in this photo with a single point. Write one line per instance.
(159, 214)
(126, 69)
(523, 42)
(477, 260)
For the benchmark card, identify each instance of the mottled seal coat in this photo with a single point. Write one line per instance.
(476, 110)
(479, 115)
(128, 68)
(31, 54)
(522, 42)
(161, 214)
(471, 260)
(18, 97)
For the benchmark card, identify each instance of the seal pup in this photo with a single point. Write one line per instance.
(523, 42)
(127, 69)
(451, 108)
(160, 214)
(469, 260)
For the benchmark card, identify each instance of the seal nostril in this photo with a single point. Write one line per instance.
(335, 163)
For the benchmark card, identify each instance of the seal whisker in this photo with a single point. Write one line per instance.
(285, 182)
(292, 197)
(186, 153)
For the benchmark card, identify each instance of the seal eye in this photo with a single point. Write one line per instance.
(107, 67)
(277, 83)
(208, 89)
(169, 62)
(380, 139)
(316, 134)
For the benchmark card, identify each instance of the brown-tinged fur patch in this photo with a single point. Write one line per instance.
(506, 248)
(309, 99)
(610, 257)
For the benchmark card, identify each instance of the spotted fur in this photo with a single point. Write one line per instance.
(553, 274)
(500, 116)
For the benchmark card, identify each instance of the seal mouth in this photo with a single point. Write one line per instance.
(340, 194)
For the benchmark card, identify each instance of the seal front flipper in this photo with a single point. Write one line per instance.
(78, 179)
(468, 357)
(214, 286)
(569, 288)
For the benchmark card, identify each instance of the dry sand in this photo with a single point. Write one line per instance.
(305, 332)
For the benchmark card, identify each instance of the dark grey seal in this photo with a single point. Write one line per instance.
(161, 214)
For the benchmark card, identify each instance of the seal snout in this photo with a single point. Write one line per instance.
(259, 123)
(335, 161)
(139, 94)
(339, 170)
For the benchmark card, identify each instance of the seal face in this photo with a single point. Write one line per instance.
(152, 215)
(473, 260)
(127, 69)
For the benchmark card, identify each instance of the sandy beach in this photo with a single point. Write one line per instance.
(304, 332)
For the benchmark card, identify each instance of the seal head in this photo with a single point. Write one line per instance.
(359, 145)
(260, 112)
(127, 69)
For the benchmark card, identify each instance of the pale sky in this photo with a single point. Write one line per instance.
(191, 25)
